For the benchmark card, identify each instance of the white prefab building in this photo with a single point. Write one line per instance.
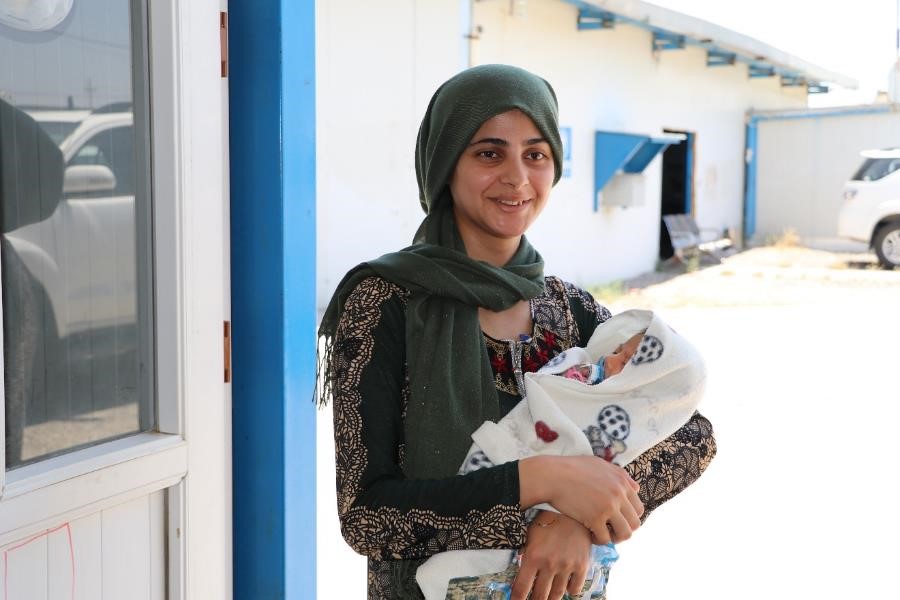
(803, 158)
(632, 79)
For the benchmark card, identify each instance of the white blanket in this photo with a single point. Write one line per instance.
(618, 419)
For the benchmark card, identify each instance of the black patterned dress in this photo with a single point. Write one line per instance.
(387, 517)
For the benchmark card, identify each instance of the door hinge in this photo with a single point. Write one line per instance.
(223, 41)
(227, 330)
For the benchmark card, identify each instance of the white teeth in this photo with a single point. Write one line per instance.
(508, 203)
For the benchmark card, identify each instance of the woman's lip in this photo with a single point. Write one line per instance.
(519, 203)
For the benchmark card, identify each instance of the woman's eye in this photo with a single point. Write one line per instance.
(536, 155)
(489, 154)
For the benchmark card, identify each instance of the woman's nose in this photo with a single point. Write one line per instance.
(514, 173)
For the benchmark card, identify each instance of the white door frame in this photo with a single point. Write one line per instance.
(191, 453)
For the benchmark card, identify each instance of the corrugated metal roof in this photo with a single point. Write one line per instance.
(672, 30)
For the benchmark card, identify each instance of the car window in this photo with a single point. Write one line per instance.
(89, 154)
(876, 168)
(58, 130)
(113, 148)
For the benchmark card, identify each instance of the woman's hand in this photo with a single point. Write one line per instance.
(555, 559)
(596, 493)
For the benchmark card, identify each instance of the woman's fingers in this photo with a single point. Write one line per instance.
(635, 501)
(556, 550)
(542, 585)
(621, 530)
(551, 587)
(634, 484)
(524, 580)
(601, 534)
(632, 516)
(576, 581)
(558, 588)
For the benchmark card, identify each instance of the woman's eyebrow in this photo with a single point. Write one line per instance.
(494, 141)
(502, 142)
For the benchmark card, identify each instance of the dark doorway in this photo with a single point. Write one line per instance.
(677, 186)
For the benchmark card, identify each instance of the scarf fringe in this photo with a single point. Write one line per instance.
(324, 388)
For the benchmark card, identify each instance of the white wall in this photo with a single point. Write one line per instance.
(804, 163)
(113, 554)
(377, 64)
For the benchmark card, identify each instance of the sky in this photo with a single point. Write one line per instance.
(857, 39)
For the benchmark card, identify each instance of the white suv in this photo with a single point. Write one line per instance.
(83, 254)
(871, 209)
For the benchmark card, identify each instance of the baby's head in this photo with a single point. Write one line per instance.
(607, 366)
(615, 362)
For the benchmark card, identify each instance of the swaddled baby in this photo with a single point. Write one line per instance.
(634, 384)
(607, 366)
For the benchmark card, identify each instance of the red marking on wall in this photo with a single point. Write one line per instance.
(32, 539)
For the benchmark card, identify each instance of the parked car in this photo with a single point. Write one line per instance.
(83, 254)
(871, 209)
(81, 261)
(58, 124)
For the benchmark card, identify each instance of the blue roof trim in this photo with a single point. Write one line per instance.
(591, 17)
(667, 41)
(595, 19)
(719, 58)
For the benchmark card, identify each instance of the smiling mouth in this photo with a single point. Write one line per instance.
(512, 202)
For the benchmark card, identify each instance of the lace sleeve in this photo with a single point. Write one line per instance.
(669, 467)
(383, 514)
(588, 312)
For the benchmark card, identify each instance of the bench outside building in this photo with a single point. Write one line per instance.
(688, 240)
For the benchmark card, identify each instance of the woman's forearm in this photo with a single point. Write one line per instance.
(666, 469)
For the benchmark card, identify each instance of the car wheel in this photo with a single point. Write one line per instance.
(887, 245)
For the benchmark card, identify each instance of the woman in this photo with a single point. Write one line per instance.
(425, 344)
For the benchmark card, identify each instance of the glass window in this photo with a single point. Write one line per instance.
(876, 168)
(74, 210)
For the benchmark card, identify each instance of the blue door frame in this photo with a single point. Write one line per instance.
(273, 282)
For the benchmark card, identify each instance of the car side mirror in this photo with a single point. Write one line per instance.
(88, 179)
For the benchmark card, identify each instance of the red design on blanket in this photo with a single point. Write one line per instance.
(544, 432)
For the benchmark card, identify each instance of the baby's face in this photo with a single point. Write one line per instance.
(616, 361)
(580, 373)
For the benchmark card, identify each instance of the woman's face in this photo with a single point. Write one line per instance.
(502, 180)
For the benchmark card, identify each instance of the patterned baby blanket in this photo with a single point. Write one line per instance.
(618, 419)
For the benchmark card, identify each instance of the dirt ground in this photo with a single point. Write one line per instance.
(802, 353)
(801, 350)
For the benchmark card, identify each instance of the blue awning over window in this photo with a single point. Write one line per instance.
(628, 152)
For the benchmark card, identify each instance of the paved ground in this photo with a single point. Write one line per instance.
(801, 348)
(802, 351)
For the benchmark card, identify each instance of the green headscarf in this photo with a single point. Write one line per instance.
(444, 345)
